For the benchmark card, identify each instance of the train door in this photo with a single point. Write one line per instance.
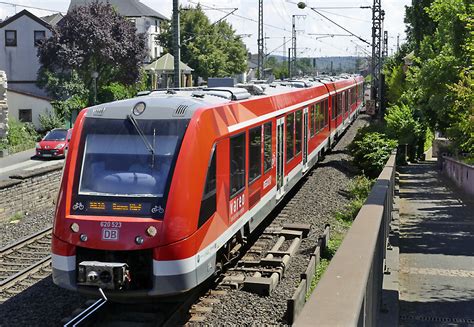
(280, 157)
(305, 139)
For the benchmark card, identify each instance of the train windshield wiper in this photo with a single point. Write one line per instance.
(144, 139)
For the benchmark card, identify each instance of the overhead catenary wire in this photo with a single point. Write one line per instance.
(31, 7)
(342, 27)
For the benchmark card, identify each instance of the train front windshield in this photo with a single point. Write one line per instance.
(118, 161)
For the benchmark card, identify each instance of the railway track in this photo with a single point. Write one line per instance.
(25, 262)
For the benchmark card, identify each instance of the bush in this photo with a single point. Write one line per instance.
(371, 151)
(50, 121)
(360, 187)
(21, 136)
(115, 91)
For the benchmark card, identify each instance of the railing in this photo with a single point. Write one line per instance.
(350, 291)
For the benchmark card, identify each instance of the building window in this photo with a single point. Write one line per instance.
(208, 202)
(237, 164)
(156, 52)
(10, 38)
(255, 153)
(156, 26)
(25, 115)
(290, 136)
(267, 146)
(39, 37)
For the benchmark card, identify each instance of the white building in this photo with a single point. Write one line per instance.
(19, 38)
(27, 107)
(146, 20)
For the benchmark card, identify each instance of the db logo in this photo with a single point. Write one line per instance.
(110, 234)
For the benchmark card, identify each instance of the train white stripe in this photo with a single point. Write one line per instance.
(64, 263)
(174, 267)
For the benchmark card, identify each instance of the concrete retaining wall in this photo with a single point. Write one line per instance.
(460, 173)
(29, 191)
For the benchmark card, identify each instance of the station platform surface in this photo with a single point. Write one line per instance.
(436, 249)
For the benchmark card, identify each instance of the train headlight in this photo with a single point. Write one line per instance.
(139, 240)
(151, 231)
(139, 108)
(83, 237)
(75, 227)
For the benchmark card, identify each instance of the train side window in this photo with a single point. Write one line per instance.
(267, 146)
(339, 104)
(326, 112)
(334, 107)
(237, 164)
(208, 202)
(255, 153)
(298, 131)
(290, 130)
(312, 121)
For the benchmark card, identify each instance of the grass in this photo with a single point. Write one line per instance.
(326, 257)
(359, 189)
(16, 217)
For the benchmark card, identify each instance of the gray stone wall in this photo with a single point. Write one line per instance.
(29, 192)
(3, 105)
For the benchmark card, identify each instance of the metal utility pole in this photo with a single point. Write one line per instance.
(398, 42)
(293, 42)
(260, 40)
(176, 44)
(377, 18)
(284, 48)
(293, 45)
(385, 45)
(289, 62)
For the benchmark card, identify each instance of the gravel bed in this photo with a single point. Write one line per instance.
(322, 194)
(32, 223)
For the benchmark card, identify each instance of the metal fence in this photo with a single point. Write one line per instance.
(350, 291)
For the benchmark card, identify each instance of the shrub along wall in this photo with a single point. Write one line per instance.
(29, 191)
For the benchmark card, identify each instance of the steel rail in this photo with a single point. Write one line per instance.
(25, 241)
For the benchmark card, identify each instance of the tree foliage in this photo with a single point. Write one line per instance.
(371, 151)
(211, 49)
(90, 38)
(436, 91)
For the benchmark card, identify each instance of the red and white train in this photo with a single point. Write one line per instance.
(157, 189)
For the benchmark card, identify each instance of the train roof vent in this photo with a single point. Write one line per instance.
(230, 93)
(180, 111)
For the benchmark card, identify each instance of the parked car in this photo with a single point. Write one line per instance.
(55, 143)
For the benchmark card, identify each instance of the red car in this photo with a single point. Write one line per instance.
(55, 144)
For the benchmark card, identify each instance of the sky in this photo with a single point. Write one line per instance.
(277, 17)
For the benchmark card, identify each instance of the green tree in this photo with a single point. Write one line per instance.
(211, 49)
(90, 38)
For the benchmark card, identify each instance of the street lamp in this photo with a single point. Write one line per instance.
(94, 75)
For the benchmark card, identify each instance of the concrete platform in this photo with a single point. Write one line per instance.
(436, 267)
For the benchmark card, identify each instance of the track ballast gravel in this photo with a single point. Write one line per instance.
(322, 194)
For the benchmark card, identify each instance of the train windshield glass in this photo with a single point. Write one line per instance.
(117, 162)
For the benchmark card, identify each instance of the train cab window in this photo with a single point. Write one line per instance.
(267, 146)
(208, 202)
(255, 153)
(312, 121)
(298, 131)
(237, 164)
(290, 130)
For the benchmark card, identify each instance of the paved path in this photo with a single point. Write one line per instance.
(436, 250)
(23, 161)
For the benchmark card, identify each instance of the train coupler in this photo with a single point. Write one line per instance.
(105, 275)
